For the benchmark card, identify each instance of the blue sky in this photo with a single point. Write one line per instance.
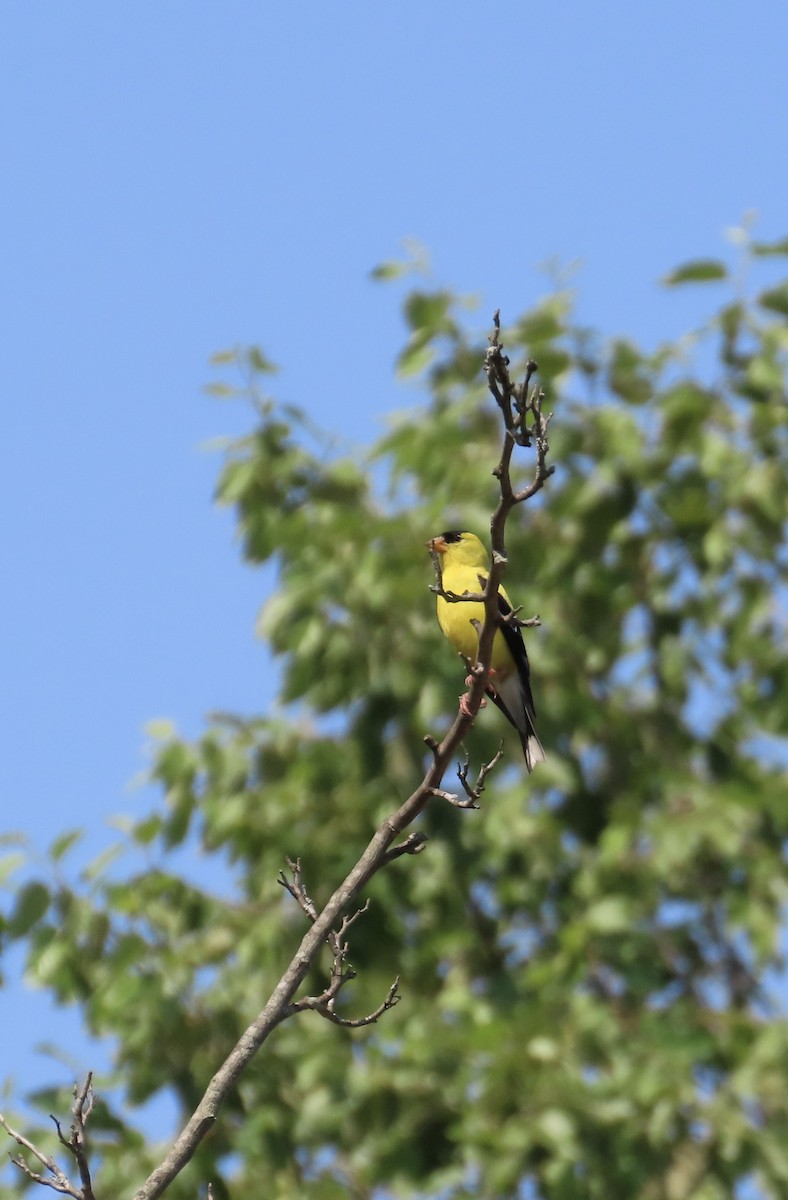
(182, 177)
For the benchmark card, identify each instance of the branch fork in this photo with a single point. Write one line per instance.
(341, 969)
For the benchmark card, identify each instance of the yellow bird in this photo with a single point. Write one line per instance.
(465, 564)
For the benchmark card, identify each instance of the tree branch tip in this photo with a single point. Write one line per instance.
(59, 1131)
(347, 921)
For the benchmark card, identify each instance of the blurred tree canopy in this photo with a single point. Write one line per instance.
(590, 963)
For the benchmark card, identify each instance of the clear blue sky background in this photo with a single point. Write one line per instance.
(180, 177)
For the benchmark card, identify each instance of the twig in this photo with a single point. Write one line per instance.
(512, 618)
(297, 889)
(474, 791)
(451, 798)
(414, 844)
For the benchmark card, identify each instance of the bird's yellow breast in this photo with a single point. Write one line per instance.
(456, 619)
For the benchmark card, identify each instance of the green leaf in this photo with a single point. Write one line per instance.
(769, 249)
(31, 904)
(222, 391)
(698, 270)
(100, 864)
(9, 863)
(775, 299)
(417, 261)
(415, 359)
(427, 311)
(390, 270)
(223, 358)
(260, 362)
(160, 729)
(64, 842)
(628, 375)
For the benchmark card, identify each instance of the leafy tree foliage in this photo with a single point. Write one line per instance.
(586, 962)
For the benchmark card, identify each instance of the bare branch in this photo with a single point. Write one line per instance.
(56, 1178)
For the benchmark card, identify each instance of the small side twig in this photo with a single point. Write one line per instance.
(297, 889)
(513, 619)
(450, 798)
(414, 844)
(474, 791)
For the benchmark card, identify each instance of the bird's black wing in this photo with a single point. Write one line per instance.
(514, 641)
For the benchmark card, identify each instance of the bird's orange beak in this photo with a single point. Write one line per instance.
(437, 545)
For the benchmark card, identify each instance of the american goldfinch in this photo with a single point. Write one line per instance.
(465, 564)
